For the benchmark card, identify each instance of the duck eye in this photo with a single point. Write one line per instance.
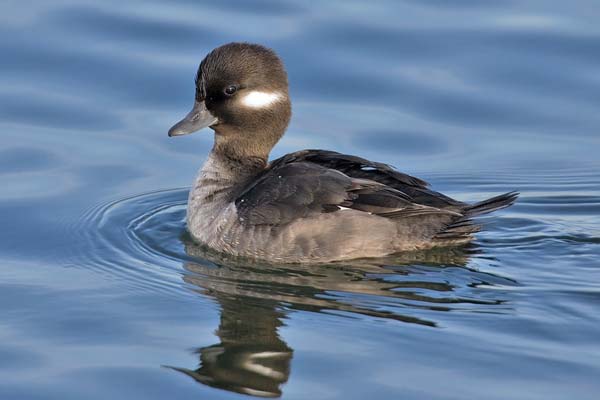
(229, 90)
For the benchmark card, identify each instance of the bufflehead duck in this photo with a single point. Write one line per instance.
(307, 206)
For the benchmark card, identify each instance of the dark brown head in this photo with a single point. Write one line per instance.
(242, 94)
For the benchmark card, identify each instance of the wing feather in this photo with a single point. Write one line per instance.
(295, 189)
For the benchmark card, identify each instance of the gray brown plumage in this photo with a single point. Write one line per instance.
(307, 206)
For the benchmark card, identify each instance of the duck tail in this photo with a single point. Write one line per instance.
(491, 204)
(461, 230)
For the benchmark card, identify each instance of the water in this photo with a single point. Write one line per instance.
(103, 295)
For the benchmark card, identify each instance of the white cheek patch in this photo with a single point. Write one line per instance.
(257, 99)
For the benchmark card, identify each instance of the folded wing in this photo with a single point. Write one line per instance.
(293, 188)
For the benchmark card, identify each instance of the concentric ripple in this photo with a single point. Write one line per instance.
(137, 239)
(142, 242)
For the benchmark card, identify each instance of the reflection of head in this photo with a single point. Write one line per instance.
(245, 369)
(251, 358)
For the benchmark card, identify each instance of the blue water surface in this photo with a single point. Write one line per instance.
(104, 296)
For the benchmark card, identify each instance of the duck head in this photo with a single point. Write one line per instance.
(242, 94)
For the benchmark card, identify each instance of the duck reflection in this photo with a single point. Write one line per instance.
(251, 358)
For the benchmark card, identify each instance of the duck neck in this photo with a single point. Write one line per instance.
(224, 173)
(239, 156)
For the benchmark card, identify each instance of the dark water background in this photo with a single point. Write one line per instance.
(103, 296)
